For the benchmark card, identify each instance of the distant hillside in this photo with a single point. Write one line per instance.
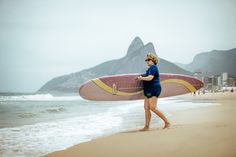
(213, 63)
(133, 62)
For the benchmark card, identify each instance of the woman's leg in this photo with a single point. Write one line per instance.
(147, 115)
(153, 108)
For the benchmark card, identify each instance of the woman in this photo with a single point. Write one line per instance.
(152, 90)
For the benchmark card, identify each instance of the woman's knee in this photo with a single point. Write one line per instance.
(153, 103)
(153, 107)
(146, 108)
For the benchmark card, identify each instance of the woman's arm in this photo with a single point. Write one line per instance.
(147, 78)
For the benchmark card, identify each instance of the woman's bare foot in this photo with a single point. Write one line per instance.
(146, 128)
(167, 126)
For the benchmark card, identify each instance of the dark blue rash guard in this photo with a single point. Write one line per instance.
(153, 87)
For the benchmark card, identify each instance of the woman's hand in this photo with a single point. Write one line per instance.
(147, 78)
(140, 78)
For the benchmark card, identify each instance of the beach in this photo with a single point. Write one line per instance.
(205, 131)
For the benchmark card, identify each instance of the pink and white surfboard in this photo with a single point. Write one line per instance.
(127, 87)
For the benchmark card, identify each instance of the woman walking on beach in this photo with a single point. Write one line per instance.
(152, 90)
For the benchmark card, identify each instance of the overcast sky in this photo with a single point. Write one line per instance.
(42, 39)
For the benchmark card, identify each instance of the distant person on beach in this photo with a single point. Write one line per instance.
(152, 90)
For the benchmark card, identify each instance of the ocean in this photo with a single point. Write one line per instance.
(37, 124)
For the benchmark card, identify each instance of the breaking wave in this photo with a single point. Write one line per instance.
(39, 97)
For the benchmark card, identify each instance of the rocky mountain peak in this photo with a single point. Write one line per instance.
(136, 44)
(149, 47)
(213, 62)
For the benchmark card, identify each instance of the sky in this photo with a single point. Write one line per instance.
(43, 39)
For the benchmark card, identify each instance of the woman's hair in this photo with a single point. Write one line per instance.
(153, 57)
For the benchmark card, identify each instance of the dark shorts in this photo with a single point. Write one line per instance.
(155, 92)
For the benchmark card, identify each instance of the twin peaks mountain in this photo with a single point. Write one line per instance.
(132, 62)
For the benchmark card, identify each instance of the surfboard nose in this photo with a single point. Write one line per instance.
(85, 91)
(81, 88)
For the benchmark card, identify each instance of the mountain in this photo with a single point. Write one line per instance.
(132, 62)
(213, 63)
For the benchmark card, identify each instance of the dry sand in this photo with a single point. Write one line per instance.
(202, 132)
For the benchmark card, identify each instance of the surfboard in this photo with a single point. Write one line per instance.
(127, 87)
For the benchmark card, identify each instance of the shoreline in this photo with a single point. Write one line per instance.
(205, 131)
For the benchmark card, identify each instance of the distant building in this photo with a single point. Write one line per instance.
(198, 74)
(224, 79)
(219, 82)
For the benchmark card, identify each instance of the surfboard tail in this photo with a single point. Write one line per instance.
(176, 84)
